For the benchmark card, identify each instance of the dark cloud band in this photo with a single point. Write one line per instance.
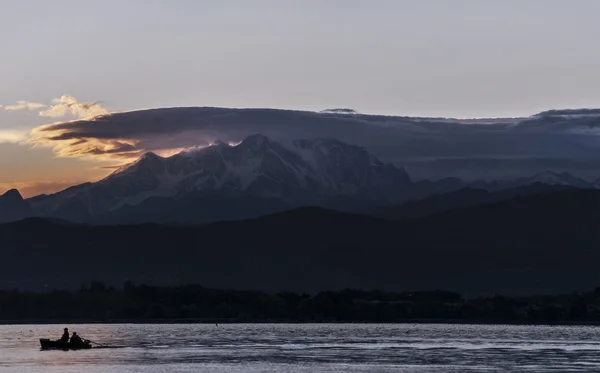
(566, 137)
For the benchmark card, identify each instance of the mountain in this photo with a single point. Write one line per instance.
(462, 198)
(260, 176)
(545, 243)
(557, 178)
(13, 207)
(194, 208)
(301, 172)
(546, 178)
(542, 181)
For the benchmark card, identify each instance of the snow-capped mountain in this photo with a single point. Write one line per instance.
(255, 177)
(299, 172)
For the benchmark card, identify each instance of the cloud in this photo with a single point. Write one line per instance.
(68, 105)
(91, 148)
(427, 146)
(12, 136)
(61, 107)
(25, 105)
(113, 167)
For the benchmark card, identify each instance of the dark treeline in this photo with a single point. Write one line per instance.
(140, 303)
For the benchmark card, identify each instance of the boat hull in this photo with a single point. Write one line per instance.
(48, 344)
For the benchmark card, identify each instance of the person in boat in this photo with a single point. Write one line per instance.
(65, 336)
(76, 340)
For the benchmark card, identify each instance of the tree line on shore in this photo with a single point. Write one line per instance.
(139, 303)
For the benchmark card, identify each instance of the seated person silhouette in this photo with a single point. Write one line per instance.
(65, 336)
(76, 340)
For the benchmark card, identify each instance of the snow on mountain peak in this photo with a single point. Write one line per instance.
(148, 160)
(323, 163)
(344, 111)
(258, 166)
(257, 140)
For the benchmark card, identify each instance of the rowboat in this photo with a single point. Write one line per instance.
(48, 344)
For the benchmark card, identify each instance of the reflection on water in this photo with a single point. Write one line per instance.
(305, 348)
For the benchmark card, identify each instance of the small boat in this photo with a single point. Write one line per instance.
(48, 344)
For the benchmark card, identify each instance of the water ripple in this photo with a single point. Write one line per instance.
(306, 348)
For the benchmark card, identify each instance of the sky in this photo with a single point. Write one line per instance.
(460, 58)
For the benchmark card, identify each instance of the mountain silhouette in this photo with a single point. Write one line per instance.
(13, 207)
(524, 245)
(462, 198)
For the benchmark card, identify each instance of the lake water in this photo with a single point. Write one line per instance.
(306, 348)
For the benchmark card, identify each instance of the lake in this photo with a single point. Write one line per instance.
(305, 348)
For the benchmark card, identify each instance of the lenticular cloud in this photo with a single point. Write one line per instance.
(426, 147)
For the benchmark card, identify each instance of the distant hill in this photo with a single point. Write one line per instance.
(541, 243)
(462, 198)
(13, 207)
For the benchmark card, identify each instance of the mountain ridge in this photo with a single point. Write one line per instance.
(299, 173)
(526, 244)
(258, 176)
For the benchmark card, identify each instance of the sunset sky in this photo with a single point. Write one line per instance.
(66, 60)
